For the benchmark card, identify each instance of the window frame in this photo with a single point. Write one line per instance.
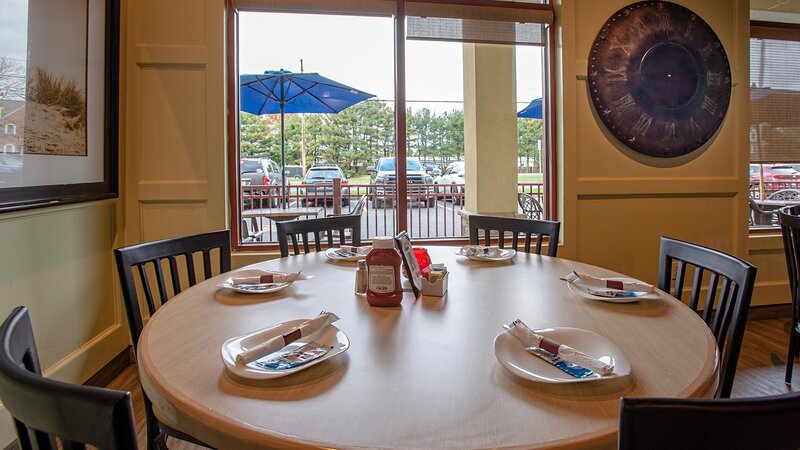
(760, 29)
(399, 16)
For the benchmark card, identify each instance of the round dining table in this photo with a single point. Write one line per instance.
(421, 375)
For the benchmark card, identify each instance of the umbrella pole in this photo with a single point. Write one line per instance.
(283, 163)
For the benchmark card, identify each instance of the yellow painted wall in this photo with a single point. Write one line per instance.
(58, 262)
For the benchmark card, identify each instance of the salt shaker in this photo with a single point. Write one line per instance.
(361, 277)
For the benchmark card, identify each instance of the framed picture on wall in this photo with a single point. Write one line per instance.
(59, 83)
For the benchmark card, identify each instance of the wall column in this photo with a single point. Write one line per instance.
(490, 129)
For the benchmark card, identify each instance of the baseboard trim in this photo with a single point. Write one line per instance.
(764, 312)
(112, 369)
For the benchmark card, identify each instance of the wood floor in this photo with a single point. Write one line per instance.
(760, 371)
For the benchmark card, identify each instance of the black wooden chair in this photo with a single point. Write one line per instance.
(535, 230)
(746, 423)
(726, 313)
(790, 226)
(334, 226)
(44, 409)
(158, 265)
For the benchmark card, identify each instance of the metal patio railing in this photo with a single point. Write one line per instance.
(432, 209)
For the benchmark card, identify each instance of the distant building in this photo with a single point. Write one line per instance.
(12, 126)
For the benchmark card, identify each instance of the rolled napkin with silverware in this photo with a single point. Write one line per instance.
(477, 250)
(529, 338)
(275, 343)
(356, 250)
(590, 281)
(267, 278)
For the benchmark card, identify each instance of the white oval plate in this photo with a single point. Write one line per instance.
(228, 282)
(512, 355)
(331, 253)
(581, 290)
(498, 254)
(330, 336)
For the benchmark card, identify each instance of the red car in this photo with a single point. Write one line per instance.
(774, 174)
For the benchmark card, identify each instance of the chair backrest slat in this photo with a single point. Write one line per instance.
(299, 230)
(174, 274)
(485, 225)
(43, 408)
(737, 279)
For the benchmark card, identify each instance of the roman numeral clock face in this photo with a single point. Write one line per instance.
(659, 79)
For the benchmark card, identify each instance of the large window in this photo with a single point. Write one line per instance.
(345, 160)
(774, 121)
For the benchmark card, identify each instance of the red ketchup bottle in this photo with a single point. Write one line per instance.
(383, 273)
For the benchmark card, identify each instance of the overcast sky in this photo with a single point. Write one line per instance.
(359, 52)
(14, 29)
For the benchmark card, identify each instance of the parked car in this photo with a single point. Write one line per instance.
(774, 173)
(319, 185)
(384, 172)
(451, 183)
(260, 172)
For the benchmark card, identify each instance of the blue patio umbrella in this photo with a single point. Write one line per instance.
(281, 92)
(532, 111)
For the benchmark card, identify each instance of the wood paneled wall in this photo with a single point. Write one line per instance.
(175, 162)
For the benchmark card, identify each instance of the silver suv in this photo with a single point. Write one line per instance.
(419, 182)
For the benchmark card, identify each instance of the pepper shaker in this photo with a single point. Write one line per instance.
(361, 277)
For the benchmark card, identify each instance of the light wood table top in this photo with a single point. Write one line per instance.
(422, 375)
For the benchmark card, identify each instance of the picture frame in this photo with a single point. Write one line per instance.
(409, 262)
(59, 102)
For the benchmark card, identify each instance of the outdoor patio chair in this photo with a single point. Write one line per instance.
(790, 227)
(157, 265)
(530, 205)
(44, 409)
(299, 230)
(358, 208)
(710, 424)
(726, 313)
(785, 194)
(251, 230)
(760, 216)
(530, 229)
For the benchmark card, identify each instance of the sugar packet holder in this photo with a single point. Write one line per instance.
(436, 283)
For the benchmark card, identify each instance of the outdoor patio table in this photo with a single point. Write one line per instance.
(422, 375)
(278, 215)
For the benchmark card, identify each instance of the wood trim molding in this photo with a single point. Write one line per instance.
(111, 370)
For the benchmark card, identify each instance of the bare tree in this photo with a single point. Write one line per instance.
(12, 79)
